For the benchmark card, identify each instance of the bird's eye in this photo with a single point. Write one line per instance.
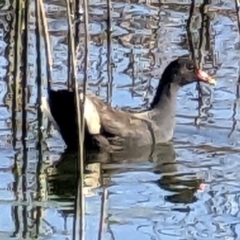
(190, 66)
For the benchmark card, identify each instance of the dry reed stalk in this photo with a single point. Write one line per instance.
(20, 47)
(79, 203)
(193, 53)
(202, 48)
(237, 5)
(46, 38)
(109, 50)
(25, 93)
(204, 42)
(86, 44)
(15, 83)
(70, 63)
(17, 53)
(24, 221)
(235, 105)
(103, 213)
(189, 32)
(39, 25)
(16, 50)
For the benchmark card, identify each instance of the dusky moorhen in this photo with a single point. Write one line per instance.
(112, 129)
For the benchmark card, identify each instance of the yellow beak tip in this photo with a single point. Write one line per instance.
(212, 81)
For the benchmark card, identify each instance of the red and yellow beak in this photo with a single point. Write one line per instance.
(203, 76)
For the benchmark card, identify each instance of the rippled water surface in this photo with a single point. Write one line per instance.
(156, 198)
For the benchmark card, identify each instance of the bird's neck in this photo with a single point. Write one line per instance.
(165, 97)
(163, 110)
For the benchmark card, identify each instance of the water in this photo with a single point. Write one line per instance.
(156, 199)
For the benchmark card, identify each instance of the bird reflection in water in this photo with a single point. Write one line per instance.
(100, 167)
(184, 185)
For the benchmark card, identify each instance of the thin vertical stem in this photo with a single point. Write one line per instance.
(14, 88)
(24, 117)
(189, 31)
(79, 203)
(86, 44)
(70, 63)
(77, 24)
(132, 65)
(17, 62)
(38, 31)
(46, 38)
(25, 94)
(235, 106)
(49, 61)
(103, 214)
(109, 49)
(202, 32)
(192, 50)
(201, 53)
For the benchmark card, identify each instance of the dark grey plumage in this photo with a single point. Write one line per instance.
(113, 129)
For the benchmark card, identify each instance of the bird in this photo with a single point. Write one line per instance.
(113, 130)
